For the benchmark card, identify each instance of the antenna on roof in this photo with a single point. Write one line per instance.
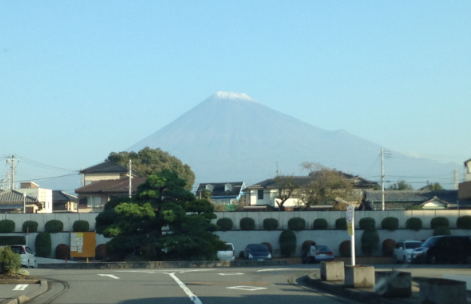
(277, 172)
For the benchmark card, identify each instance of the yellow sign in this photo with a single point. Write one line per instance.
(349, 228)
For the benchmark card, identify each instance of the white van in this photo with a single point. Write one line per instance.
(227, 254)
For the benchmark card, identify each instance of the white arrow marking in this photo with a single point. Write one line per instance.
(247, 288)
(235, 273)
(109, 275)
(187, 290)
(21, 287)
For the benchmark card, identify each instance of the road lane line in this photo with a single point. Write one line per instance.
(109, 275)
(187, 290)
(20, 287)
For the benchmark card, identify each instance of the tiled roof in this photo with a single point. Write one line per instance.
(415, 196)
(219, 188)
(12, 197)
(111, 186)
(58, 195)
(105, 167)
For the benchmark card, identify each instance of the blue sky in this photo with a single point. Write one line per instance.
(79, 79)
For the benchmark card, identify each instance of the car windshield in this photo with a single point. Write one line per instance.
(18, 250)
(412, 245)
(322, 248)
(257, 247)
(430, 242)
(228, 247)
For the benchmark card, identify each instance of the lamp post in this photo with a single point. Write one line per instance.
(24, 202)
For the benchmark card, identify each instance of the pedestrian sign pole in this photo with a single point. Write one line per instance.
(351, 229)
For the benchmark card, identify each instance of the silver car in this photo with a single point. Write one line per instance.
(404, 249)
(227, 254)
(27, 255)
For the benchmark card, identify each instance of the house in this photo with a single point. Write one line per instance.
(93, 197)
(63, 202)
(106, 170)
(401, 200)
(41, 195)
(223, 193)
(13, 201)
(265, 193)
(464, 189)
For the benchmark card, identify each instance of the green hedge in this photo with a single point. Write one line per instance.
(53, 226)
(81, 226)
(287, 243)
(32, 225)
(441, 230)
(247, 223)
(345, 248)
(341, 223)
(7, 226)
(439, 221)
(369, 241)
(320, 224)
(296, 224)
(367, 223)
(390, 223)
(464, 222)
(43, 244)
(12, 240)
(414, 223)
(225, 224)
(388, 247)
(62, 252)
(270, 224)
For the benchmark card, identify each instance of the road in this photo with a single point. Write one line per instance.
(180, 286)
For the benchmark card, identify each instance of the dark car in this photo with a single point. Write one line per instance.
(443, 249)
(257, 252)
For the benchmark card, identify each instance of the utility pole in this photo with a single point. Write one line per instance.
(130, 178)
(8, 181)
(382, 179)
(457, 181)
(11, 161)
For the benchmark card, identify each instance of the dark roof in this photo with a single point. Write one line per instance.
(58, 196)
(105, 167)
(112, 186)
(12, 197)
(219, 188)
(466, 162)
(414, 196)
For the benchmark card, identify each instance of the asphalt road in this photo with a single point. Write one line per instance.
(180, 286)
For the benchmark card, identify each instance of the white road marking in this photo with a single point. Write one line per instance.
(187, 290)
(109, 275)
(20, 287)
(234, 273)
(165, 271)
(276, 269)
(247, 288)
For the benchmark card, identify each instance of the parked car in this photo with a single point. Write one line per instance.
(404, 249)
(257, 252)
(227, 254)
(322, 253)
(443, 249)
(26, 254)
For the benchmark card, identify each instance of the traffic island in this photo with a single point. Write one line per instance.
(393, 284)
(359, 276)
(442, 291)
(332, 271)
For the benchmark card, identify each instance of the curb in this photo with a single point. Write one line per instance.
(26, 298)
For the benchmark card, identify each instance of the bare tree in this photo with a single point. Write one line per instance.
(286, 188)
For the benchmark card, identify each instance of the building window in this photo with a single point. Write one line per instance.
(260, 194)
(94, 201)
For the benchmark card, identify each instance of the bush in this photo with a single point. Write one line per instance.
(367, 223)
(341, 223)
(270, 224)
(414, 223)
(43, 244)
(439, 221)
(225, 224)
(100, 252)
(268, 246)
(441, 230)
(81, 226)
(345, 249)
(319, 224)
(53, 226)
(307, 244)
(296, 224)
(242, 254)
(464, 222)
(287, 243)
(12, 240)
(10, 262)
(390, 223)
(247, 223)
(62, 252)
(369, 241)
(388, 247)
(30, 226)
(7, 226)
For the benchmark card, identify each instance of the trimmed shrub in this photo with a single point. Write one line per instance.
(345, 249)
(390, 223)
(30, 226)
(247, 223)
(341, 223)
(464, 222)
(12, 240)
(369, 241)
(43, 244)
(270, 224)
(439, 221)
(287, 243)
(242, 254)
(81, 226)
(319, 224)
(414, 223)
(367, 223)
(53, 226)
(62, 252)
(268, 246)
(7, 226)
(441, 230)
(10, 262)
(296, 224)
(388, 247)
(307, 244)
(100, 252)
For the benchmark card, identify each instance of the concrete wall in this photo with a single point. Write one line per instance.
(67, 218)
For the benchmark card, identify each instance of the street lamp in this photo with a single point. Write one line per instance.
(24, 202)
